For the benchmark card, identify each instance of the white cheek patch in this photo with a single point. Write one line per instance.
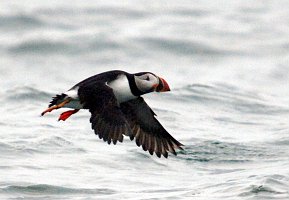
(154, 80)
(147, 85)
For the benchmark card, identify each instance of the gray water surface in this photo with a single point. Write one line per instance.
(225, 61)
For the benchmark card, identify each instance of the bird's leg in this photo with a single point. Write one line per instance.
(67, 114)
(56, 106)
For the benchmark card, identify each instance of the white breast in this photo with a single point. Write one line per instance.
(121, 89)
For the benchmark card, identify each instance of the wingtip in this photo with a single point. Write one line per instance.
(181, 146)
(166, 154)
(158, 154)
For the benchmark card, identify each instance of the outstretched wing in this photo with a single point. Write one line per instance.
(107, 120)
(147, 130)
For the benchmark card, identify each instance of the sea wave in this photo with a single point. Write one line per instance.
(56, 144)
(25, 93)
(271, 187)
(184, 47)
(8, 149)
(224, 152)
(42, 46)
(230, 97)
(20, 21)
(69, 45)
(51, 144)
(94, 12)
(44, 189)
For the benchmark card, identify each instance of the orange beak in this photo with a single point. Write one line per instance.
(163, 86)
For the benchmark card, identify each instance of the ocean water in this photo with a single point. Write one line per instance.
(225, 61)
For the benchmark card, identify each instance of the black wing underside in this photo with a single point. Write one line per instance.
(147, 130)
(107, 120)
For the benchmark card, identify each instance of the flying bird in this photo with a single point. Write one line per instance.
(114, 100)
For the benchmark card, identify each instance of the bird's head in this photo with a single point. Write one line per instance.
(149, 82)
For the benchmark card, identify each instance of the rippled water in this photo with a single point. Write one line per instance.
(227, 65)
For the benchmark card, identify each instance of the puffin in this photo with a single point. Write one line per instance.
(117, 109)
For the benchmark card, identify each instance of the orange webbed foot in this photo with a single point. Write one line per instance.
(67, 114)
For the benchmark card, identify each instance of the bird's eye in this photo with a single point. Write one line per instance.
(147, 78)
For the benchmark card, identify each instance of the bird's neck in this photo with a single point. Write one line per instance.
(134, 89)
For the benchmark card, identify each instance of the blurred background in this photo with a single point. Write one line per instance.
(225, 61)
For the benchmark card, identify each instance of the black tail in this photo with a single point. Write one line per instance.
(57, 99)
